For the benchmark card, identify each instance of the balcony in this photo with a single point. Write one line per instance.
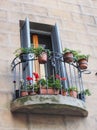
(50, 104)
(39, 99)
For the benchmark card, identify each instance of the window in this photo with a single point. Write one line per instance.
(47, 36)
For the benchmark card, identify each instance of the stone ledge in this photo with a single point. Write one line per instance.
(50, 104)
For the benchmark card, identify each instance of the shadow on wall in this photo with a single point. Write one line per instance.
(48, 122)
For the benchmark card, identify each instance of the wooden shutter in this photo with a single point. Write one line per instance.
(25, 43)
(36, 44)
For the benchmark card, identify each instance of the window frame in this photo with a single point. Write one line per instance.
(27, 27)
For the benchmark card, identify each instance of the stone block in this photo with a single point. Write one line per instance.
(68, 35)
(17, 121)
(7, 27)
(11, 6)
(85, 39)
(59, 13)
(69, 7)
(74, 26)
(48, 122)
(89, 10)
(88, 19)
(92, 29)
(85, 2)
(38, 10)
(3, 15)
(14, 41)
(94, 3)
(4, 39)
(7, 53)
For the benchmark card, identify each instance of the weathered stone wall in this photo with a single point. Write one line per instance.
(77, 21)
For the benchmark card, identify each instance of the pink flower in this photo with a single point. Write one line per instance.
(63, 78)
(60, 78)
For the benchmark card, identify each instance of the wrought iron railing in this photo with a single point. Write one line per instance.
(60, 75)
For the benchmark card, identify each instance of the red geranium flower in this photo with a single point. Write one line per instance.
(36, 76)
(29, 78)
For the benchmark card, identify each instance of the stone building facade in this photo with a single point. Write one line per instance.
(77, 20)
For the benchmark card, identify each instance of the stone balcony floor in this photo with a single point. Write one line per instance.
(50, 104)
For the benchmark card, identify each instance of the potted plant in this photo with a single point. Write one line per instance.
(57, 86)
(42, 83)
(82, 61)
(22, 53)
(54, 85)
(28, 85)
(87, 92)
(17, 93)
(69, 55)
(33, 89)
(23, 88)
(41, 53)
(83, 93)
(73, 91)
(29, 90)
(50, 87)
(24, 92)
(64, 91)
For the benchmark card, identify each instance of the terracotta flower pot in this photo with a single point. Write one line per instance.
(68, 57)
(64, 93)
(23, 93)
(43, 90)
(50, 91)
(56, 91)
(73, 94)
(42, 58)
(32, 93)
(83, 64)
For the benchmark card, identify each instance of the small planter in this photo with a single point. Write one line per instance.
(24, 93)
(41, 53)
(64, 93)
(17, 94)
(56, 91)
(82, 61)
(42, 58)
(81, 96)
(73, 94)
(83, 64)
(50, 91)
(73, 91)
(43, 90)
(32, 93)
(68, 57)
